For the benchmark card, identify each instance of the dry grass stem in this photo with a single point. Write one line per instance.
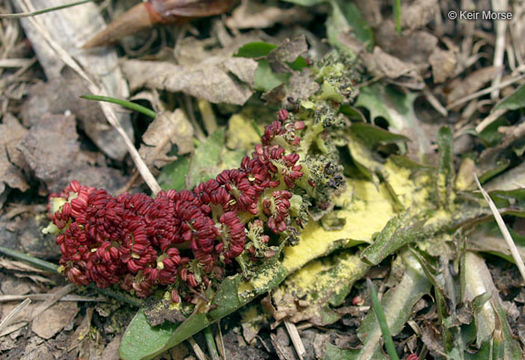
(5, 322)
(485, 91)
(197, 349)
(44, 297)
(296, 339)
(504, 230)
(52, 300)
(499, 46)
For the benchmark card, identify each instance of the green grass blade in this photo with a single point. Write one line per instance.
(381, 318)
(124, 103)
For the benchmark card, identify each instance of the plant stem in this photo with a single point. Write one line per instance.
(124, 103)
(39, 263)
(381, 318)
(210, 342)
(397, 14)
(122, 297)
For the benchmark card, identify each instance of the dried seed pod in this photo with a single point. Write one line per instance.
(145, 15)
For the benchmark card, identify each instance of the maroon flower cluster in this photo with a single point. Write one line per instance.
(183, 239)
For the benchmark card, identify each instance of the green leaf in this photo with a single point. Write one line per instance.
(265, 79)
(362, 31)
(490, 136)
(490, 317)
(332, 352)
(141, 341)
(173, 176)
(124, 103)
(255, 49)
(346, 18)
(514, 101)
(398, 232)
(373, 135)
(398, 109)
(204, 162)
(299, 63)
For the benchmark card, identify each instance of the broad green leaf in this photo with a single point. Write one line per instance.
(359, 27)
(487, 238)
(345, 18)
(398, 109)
(514, 101)
(332, 352)
(265, 79)
(255, 49)
(490, 136)
(203, 165)
(173, 176)
(141, 341)
(400, 231)
(373, 135)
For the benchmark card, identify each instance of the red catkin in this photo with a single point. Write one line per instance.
(138, 241)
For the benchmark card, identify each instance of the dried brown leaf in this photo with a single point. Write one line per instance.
(302, 85)
(69, 28)
(418, 13)
(11, 131)
(215, 79)
(57, 96)
(54, 319)
(414, 47)
(382, 64)
(52, 151)
(460, 88)
(168, 128)
(287, 52)
(443, 63)
(252, 14)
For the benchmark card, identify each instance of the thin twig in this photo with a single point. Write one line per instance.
(43, 11)
(296, 339)
(63, 291)
(220, 341)
(499, 46)
(485, 91)
(7, 320)
(493, 116)
(434, 101)
(503, 228)
(197, 349)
